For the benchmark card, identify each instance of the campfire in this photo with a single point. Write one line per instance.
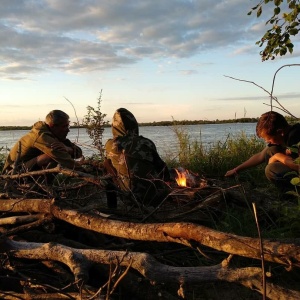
(185, 178)
(181, 178)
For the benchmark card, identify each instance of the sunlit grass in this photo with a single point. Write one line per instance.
(2, 159)
(215, 159)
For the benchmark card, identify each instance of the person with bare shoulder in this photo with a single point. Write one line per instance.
(45, 146)
(280, 153)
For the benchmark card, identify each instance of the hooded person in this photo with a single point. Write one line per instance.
(134, 162)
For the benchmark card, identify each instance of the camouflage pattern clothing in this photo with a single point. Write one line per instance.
(135, 160)
(38, 141)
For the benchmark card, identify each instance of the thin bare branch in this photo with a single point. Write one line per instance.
(76, 118)
(272, 98)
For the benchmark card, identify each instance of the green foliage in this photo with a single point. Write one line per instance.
(287, 219)
(295, 181)
(95, 124)
(239, 220)
(2, 158)
(277, 39)
(218, 158)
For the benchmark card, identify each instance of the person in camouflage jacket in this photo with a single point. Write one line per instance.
(134, 161)
(45, 145)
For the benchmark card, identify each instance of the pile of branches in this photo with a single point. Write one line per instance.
(65, 242)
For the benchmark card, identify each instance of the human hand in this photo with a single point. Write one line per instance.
(81, 160)
(231, 173)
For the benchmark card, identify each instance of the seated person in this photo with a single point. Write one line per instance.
(134, 162)
(44, 146)
(281, 138)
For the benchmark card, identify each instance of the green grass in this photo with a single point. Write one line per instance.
(216, 159)
(2, 159)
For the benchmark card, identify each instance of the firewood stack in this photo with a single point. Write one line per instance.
(64, 242)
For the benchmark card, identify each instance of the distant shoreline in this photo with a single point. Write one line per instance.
(160, 123)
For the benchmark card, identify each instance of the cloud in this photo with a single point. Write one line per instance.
(248, 98)
(245, 50)
(91, 35)
(18, 68)
(289, 96)
(189, 72)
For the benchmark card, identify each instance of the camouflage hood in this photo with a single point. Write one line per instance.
(124, 123)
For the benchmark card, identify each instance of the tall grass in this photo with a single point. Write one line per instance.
(214, 160)
(2, 159)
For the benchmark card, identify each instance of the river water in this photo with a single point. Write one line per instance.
(164, 137)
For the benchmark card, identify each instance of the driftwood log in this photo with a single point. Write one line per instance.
(182, 233)
(29, 236)
(79, 261)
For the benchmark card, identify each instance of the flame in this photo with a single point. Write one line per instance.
(181, 179)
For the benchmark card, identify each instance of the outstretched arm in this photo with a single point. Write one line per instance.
(253, 161)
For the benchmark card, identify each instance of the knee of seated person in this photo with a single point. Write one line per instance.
(278, 173)
(270, 172)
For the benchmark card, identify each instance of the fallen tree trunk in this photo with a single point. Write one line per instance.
(25, 205)
(182, 233)
(80, 260)
(21, 219)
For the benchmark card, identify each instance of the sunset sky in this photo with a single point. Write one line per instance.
(161, 59)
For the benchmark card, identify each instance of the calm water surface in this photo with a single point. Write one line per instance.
(163, 136)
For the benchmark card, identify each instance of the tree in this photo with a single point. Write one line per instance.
(277, 40)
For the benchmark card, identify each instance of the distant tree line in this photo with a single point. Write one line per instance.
(2, 128)
(165, 123)
(197, 122)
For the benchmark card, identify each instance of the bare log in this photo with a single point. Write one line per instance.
(40, 221)
(20, 219)
(25, 205)
(80, 260)
(182, 233)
